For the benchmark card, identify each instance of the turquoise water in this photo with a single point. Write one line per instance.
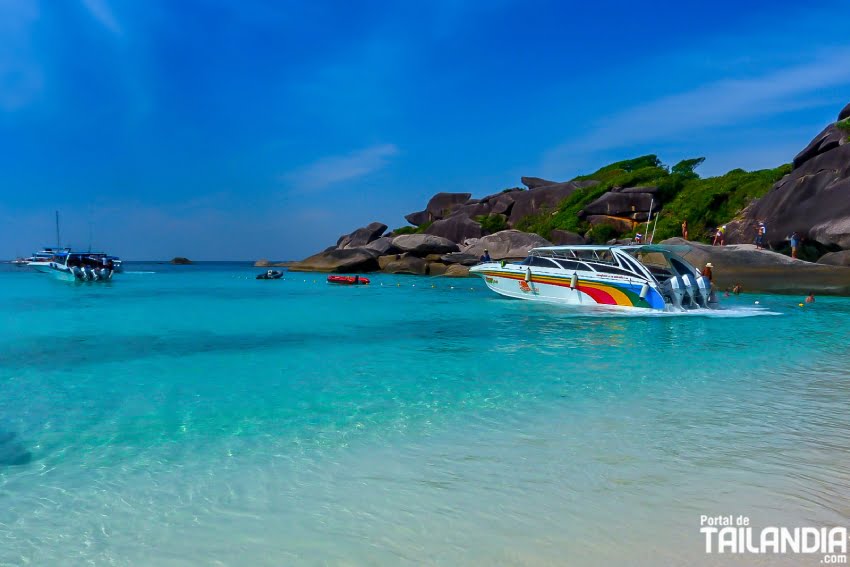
(194, 415)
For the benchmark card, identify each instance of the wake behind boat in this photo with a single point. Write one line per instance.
(631, 277)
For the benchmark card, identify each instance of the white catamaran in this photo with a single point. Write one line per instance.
(63, 264)
(632, 277)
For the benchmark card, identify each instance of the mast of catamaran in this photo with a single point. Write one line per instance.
(58, 238)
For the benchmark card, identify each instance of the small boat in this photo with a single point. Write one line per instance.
(631, 277)
(69, 266)
(348, 280)
(270, 275)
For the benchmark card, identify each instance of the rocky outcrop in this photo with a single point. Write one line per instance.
(540, 199)
(765, 271)
(347, 260)
(181, 261)
(617, 223)
(619, 204)
(424, 244)
(813, 200)
(457, 271)
(845, 112)
(436, 269)
(442, 205)
(535, 182)
(507, 244)
(362, 236)
(456, 228)
(382, 246)
(262, 263)
(418, 218)
(841, 258)
(407, 265)
(830, 138)
(460, 258)
(565, 238)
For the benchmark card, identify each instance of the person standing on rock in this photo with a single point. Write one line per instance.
(795, 243)
(760, 236)
(720, 236)
(685, 229)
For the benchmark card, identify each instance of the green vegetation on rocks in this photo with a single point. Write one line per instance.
(682, 194)
(845, 126)
(492, 223)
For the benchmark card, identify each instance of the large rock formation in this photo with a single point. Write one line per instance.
(566, 238)
(620, 204)
(362, 236)
(813, 200)
(617, 223)
(507, 244)
(535, 182)
(841, 258)
(424, 244)
(542, 198)
(347, 260)
(382, 246)
(765, 271)
(407, 265)
(456, 228)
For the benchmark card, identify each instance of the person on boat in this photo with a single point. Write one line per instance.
(707, 272)
(486, 256)
(811, 297)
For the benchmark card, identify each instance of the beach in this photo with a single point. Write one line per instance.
(194, 415)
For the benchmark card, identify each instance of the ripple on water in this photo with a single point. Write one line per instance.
(175, 419)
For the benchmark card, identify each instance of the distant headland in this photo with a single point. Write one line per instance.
(634, 199)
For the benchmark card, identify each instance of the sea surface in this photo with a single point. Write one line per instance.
(192, 415)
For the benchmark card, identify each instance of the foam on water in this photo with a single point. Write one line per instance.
(201, 416)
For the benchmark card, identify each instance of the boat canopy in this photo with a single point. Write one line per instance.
(675, 248)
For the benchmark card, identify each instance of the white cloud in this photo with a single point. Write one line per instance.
(100, 11)
(336, 169)
(21, 75)
(715, 104)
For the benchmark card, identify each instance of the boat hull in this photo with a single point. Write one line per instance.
(559, 289)
(64, 273)
(54, 270)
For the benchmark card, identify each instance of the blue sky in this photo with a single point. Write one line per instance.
(239, 130)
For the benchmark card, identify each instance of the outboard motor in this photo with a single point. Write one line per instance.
(690, 289)
(704, 287)
(675, 290)
(78, 273)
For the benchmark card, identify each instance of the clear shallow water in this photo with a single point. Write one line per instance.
(195, 415)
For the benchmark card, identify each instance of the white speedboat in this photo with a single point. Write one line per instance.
(632, 277)
(69, 266)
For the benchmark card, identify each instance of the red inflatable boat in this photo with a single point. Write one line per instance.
(348, 280)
